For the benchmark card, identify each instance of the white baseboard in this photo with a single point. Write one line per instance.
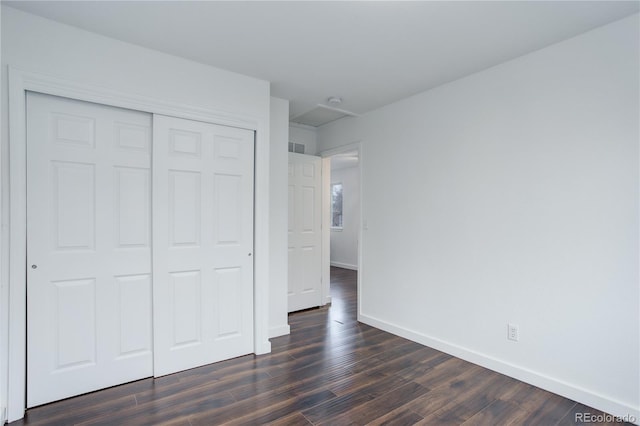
(576, 393)
(345, 265)
(281, 330)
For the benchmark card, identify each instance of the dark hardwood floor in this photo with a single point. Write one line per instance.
(331, 370)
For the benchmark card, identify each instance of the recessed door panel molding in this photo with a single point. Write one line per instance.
(228, 208)
(228, 148)
(309, 208)
(134, 320)
(305, 236)
(309, 170)
(75, 323)
(73, 188)
(228, 282)
(185, 313)
(131, 137)
(73, 130)
(185, 143)
(88, 247)
(132, 203)
(309, 261)
(202, 243)
(185, 209)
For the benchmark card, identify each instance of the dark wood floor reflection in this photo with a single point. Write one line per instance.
(331, 370)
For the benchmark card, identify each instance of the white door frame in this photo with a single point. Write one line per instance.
(15, 301)
(326, 217)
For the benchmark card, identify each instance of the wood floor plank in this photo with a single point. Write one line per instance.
(80, 413)
(335, 407)
(229, 412)
(330, 370)
(379, 406)
(164, 410)
(374, 384)
(296, 419)
(447, 392)
(474, 395)
(554, 408)
(401, 416)
(498, 413)
(441, 373)
(62, 410)
(285, 409)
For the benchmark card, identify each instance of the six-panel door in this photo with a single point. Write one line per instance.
(305, 237)
(203, 243)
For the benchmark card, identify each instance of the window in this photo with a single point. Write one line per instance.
(336, 205)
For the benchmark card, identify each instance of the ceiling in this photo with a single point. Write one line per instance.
(368, 53)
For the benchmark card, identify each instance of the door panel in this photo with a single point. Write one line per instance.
(185, 313)
(132, 205)
(134, 307)
(305, 237)
(88, 237)
(75, 323)
(203, 243)
(184, 208)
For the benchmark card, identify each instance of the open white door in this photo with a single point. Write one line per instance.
(305, 237)
(202, 243)
(89, 247)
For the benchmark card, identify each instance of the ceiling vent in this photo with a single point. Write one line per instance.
(298, 148)
(322, 114)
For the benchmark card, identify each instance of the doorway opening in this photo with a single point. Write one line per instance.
(345, 210)
(342, 216)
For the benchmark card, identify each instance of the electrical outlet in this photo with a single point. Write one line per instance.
(513, 332)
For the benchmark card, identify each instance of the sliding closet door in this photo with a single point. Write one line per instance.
(202, 243)
(89, 247)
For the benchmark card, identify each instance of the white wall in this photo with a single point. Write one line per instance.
(512, 196)
(344, 242)
(278, 230)
(305, 135)
(37, 45)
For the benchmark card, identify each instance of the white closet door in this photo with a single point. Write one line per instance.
(88, 239)
(202, 243)
(305, 236)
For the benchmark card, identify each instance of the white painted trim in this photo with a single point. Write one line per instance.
(345, 266)
(325, 212)
(21, 81)
(278, 331)
(585, 396)
(17, 354)
(261, 267)
(4, 316)
(354, 146)
(60, 87)
(302, 126)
